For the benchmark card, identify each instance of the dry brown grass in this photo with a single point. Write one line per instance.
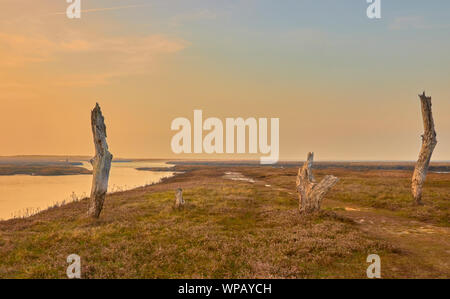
(227, 230)
(381, 189)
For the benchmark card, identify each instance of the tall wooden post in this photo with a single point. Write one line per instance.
(429, 142)
(101, 163)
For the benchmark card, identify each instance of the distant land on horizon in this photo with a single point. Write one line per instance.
(76, 158)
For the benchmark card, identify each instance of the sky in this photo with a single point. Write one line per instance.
(343, 85)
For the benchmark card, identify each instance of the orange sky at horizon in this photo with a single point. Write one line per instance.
(336, 91)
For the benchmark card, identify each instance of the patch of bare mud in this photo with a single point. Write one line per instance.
(237, 176)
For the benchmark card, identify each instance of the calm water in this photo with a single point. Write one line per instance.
(19, 193)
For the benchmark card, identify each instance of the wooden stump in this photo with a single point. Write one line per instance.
(101, 164)
(179, 201)
(429, 142)
(310, 193)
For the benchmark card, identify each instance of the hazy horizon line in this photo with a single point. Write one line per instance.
(205, 159)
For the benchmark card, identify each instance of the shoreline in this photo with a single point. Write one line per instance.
(44, 203)
(178, 169)
(137, 228)
(42, 170)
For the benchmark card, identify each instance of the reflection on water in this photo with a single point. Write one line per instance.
(19, 193)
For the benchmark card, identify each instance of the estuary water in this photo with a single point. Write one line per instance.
(21, 195)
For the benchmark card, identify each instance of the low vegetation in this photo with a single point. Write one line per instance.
(227, 229)
(381, 189)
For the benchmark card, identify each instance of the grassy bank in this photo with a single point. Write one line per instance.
(229, 229)
(381, 189)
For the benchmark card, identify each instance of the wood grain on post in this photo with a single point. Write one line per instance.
(101, 164)
(429, 142)
(310, 193)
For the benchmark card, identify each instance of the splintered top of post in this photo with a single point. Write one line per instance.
(310, 159)
(427, 116)
(99, 129)
(423, 96)
(97, 119)
(97, 109)
(306, 170)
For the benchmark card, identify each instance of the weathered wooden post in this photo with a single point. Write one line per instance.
(101, 163)
(429, 142)
(310, 193)
(179, 201)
